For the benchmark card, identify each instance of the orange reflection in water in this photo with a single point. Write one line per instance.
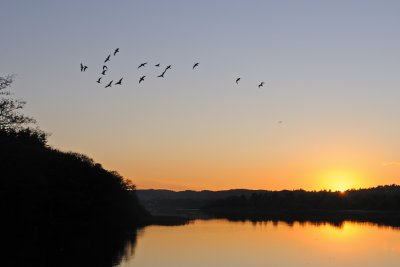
(222, 243)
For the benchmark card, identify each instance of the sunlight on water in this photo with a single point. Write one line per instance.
(223, 243)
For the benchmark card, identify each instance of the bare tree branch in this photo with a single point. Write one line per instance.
(11, 117)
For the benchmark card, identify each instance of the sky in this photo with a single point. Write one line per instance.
(331, 73)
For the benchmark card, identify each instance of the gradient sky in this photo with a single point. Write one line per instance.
(331, 72)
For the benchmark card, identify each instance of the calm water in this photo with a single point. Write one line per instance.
(223, 243)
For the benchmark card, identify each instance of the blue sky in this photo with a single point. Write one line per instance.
(330, 70)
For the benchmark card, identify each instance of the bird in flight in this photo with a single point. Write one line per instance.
(109, 85)
(107, 59)
(195, 65)
(237, 80)
(157, 65)
(98, 81)
(141, 79)
(261, 84)
(105, 67)
(83, 68)
(119, 82)
(168, 67)
(116, 51)
(142, 65)
(162, 74)
(103, 72)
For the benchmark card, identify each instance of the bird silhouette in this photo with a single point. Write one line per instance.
(107, 59)
(237, 80)
(105, 67)
(168, 67)
(142, 65)
(195, 65)
(157, 65)
(109, 84)
(98, 81)
(162, 74)
(261, 84)
(83, 68)
(116, 51)
(119, 82)
(141, 79)
(103, 72)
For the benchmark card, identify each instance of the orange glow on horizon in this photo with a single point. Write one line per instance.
(332, 179)
(340, 180)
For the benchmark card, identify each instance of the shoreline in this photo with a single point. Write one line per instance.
(387, 218)
(165, 220)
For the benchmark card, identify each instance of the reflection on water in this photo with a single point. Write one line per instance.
(66, 247)
(215, 242)
(267, 243)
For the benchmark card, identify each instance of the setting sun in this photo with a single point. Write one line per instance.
(340, 180)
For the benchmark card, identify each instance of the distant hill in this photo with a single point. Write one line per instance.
(152, 194)
(184, 203)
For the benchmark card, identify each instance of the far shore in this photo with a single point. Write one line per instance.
(389, 218)
(165, 220)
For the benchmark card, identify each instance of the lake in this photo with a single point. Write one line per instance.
(225, 243)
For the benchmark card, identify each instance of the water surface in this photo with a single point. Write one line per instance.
(224, 243)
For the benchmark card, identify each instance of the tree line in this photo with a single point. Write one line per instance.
(45, 188)
(381, 198)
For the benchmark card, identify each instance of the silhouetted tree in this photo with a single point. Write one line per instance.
(381, 198)
(11, 117)
(43, 189)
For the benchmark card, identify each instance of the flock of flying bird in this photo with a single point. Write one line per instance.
(105, 69)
